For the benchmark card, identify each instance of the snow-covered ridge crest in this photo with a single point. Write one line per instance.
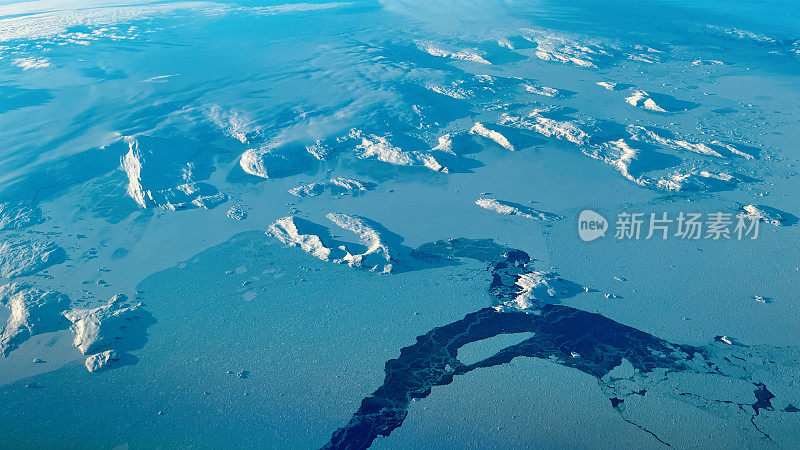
(379, 147)
(713, 148)
(559, 129)
(336, 186)
(463, 55)
(643, 100)
(493, 135)
(536, 287)
(543, 90)
(378, 255)
(286, 230)
(563, 48)
(514, 209)
(165, 180)
(766, 214)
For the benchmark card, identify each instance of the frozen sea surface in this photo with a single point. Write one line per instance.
(344, 224)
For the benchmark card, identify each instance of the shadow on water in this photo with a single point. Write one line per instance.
(15, 97)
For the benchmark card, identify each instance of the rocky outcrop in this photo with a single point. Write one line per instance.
(32, 311)
(20, 257)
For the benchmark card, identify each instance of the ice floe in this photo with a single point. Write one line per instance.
(237, 212)
(514, 209)
(19, 257)
(32, 311)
